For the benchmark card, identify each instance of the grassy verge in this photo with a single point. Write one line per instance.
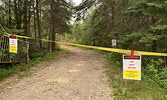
(146, 89)
(23, 69)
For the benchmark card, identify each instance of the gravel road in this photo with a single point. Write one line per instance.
(80, 76)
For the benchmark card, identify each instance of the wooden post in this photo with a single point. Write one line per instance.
(28, 50)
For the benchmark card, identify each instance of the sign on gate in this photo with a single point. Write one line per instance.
(132, 67)
(13, 44)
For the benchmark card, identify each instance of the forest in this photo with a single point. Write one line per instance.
(135, 24)
(41, 19)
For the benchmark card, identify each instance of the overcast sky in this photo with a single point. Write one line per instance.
(77, 2)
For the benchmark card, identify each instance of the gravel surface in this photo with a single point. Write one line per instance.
(76, 77)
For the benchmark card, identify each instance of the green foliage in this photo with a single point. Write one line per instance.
(156, 76)
(163, 78)
(15, 31)
(154, 4)
(24, 50)
(115, 57)
(4, 73)
(152, 86)
(159, 28)
(151, 70)
(37, 54)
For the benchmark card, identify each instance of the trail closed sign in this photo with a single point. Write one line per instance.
(132, 67)
(13, 44)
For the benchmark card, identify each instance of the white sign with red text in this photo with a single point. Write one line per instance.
(132, 67)
(13, 44)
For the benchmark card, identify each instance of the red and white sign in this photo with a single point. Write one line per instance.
(13, 44)
(132, 67)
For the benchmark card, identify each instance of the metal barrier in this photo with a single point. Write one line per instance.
(7, 57)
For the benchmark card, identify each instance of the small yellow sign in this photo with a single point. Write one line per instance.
(13, 49)
(132, 74)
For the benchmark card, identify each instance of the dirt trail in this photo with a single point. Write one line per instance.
(76, 77)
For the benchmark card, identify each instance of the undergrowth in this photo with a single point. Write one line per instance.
(151, 87)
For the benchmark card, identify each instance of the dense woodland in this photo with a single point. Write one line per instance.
(42, 19)
(136, 24)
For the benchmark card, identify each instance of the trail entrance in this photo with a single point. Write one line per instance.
(78, 76)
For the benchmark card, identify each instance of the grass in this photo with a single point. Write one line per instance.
(130, 89)
(23, 69)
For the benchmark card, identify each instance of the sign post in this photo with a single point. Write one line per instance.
(132, 66)
(13, 44)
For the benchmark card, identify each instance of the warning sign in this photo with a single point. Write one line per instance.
(132, 67)
(13, 44)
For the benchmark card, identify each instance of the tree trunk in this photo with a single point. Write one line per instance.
(113, 15)
(51, 25)
(35, 31)
(53, 37)
(50, 38)
(25, 17)
(17, 14)
(38, 23)
(20, 14)
(29, 18)
(9, 13)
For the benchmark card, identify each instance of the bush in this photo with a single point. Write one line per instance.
(113, 56)
(156, 76)
(4, 73)
(163, 78)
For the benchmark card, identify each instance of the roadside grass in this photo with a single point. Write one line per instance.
(130, 89)
(23, 69)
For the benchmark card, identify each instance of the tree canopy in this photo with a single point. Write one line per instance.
(36, 18)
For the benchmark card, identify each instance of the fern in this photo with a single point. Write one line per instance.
(159, 28)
